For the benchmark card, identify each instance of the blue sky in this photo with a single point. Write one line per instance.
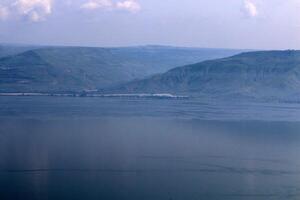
(255, 24)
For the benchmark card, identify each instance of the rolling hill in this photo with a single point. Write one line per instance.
(262, 75)
(13, 49)
(61, 69)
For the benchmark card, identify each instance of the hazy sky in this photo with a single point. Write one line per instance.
(257, 24)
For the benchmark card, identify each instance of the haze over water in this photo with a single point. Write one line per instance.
(104, 148)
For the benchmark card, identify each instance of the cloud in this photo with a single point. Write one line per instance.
(129, 5)
(4, 12)
(96, 4)
(34, 10)
(39, 10)
(249, 8)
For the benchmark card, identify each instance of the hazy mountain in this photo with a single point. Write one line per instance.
(80, 68)
(269, 74)
(13, 49)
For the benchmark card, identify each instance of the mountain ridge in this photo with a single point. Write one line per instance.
(58, 69)
(261, 74)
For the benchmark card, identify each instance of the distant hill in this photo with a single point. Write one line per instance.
(265, 74)
(9, 49)
(59, 69)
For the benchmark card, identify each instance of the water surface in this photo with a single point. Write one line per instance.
(103, 148)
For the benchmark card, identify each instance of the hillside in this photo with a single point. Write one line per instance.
(59, 69)
(10, 49)
(269, 74)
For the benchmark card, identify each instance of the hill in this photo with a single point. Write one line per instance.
(264, 74)
(59, 69)
(11, 49)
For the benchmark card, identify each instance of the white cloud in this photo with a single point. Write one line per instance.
(129, 5)
(96, 4)
(34, 10)
(4, 12)
(39, 10)
(34, 17)
(250, 8)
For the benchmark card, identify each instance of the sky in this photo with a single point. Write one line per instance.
(243, 24)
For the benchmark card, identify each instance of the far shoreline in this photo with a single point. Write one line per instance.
(138, 95)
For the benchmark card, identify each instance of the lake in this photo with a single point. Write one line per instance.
(148, 149)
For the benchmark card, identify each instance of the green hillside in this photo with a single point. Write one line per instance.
(269, 74)
(60, 69)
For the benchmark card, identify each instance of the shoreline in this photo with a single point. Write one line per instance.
(142, 95)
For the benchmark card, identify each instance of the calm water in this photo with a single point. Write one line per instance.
(147, 149)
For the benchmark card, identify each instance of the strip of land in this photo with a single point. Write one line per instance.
(169, 96)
